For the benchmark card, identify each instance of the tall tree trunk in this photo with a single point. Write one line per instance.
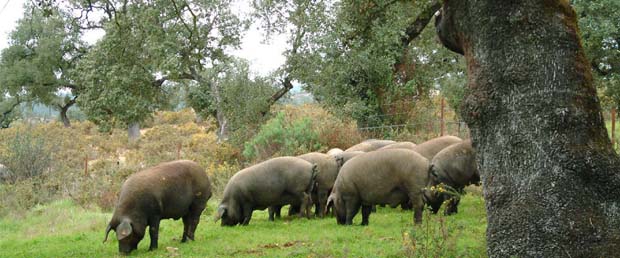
(220, 116)
(222, 121)
(133, 131)
(63, 111)
(222, 131)
(64, 118)
(551, 179)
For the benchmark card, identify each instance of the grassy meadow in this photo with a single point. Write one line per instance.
(63, 185)
(63, 229)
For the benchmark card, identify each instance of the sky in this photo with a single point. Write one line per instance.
(264, 57)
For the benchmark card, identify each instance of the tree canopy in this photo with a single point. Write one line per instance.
(368, 59)
(375, 61)
(599, 22)
(147, 44)
(39, 65)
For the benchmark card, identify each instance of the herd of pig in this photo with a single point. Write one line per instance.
(374, 172)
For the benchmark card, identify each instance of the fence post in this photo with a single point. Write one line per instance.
(86, 166)
(179, 151)
(443, 122)
(613, 126)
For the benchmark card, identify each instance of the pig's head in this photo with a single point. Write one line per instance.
(128, 233)
(229, 214)
(335, 201)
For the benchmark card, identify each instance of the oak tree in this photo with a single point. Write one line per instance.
(551, 178)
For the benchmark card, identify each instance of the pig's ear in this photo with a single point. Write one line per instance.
(340, 162)
(107, 231)
(123, 230)
(330, 202)
(221, 211)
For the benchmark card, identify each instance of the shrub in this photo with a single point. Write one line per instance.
(333, 131)
(282, 138)
(26, 155)
(19, 196)
(160, 144)
(219, 174)
(183, 116)
(101, 186)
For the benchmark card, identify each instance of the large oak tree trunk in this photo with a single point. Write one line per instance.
(551, 179)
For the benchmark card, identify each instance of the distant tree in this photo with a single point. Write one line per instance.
(599, 23)
(551, 177)
(39, 64)
(147, 44)
(297, 20)
(368, 59)
(242, 96)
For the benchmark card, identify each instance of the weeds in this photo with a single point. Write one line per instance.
(26, 156)
(459, 235)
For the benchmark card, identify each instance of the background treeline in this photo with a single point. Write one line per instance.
(373, 69)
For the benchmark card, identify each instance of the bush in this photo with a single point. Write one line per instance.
(25, 155)
(162, 143)
(219, 174)
(101, 186)
(282, 138)
(183, 116)
(333, 131)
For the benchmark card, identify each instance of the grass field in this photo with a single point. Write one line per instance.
(62, 229)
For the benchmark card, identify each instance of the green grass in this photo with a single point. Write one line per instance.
(62, 229)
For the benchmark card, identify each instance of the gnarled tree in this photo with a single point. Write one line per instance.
(39, 64)
(551, 178)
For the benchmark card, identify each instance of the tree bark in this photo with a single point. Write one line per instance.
(220, 115)
(222, 121)
(551, 178)
(63, 112)
(133, 131)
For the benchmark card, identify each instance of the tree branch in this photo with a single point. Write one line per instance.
(180, 15)
(279, 94)
(69, 103)
(416, 27)
(5, 114)
(597, 68)
(183, 76)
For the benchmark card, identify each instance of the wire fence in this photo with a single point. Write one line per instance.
(420, 125)
(427, 129)
(441, 124)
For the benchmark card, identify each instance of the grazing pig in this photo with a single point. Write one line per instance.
(275, 182)
(429, 148)
(328, 171)
(399, 145)
(456, 167)
(177, 189)
(369, 145)
(390, 177)
(343, 157)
